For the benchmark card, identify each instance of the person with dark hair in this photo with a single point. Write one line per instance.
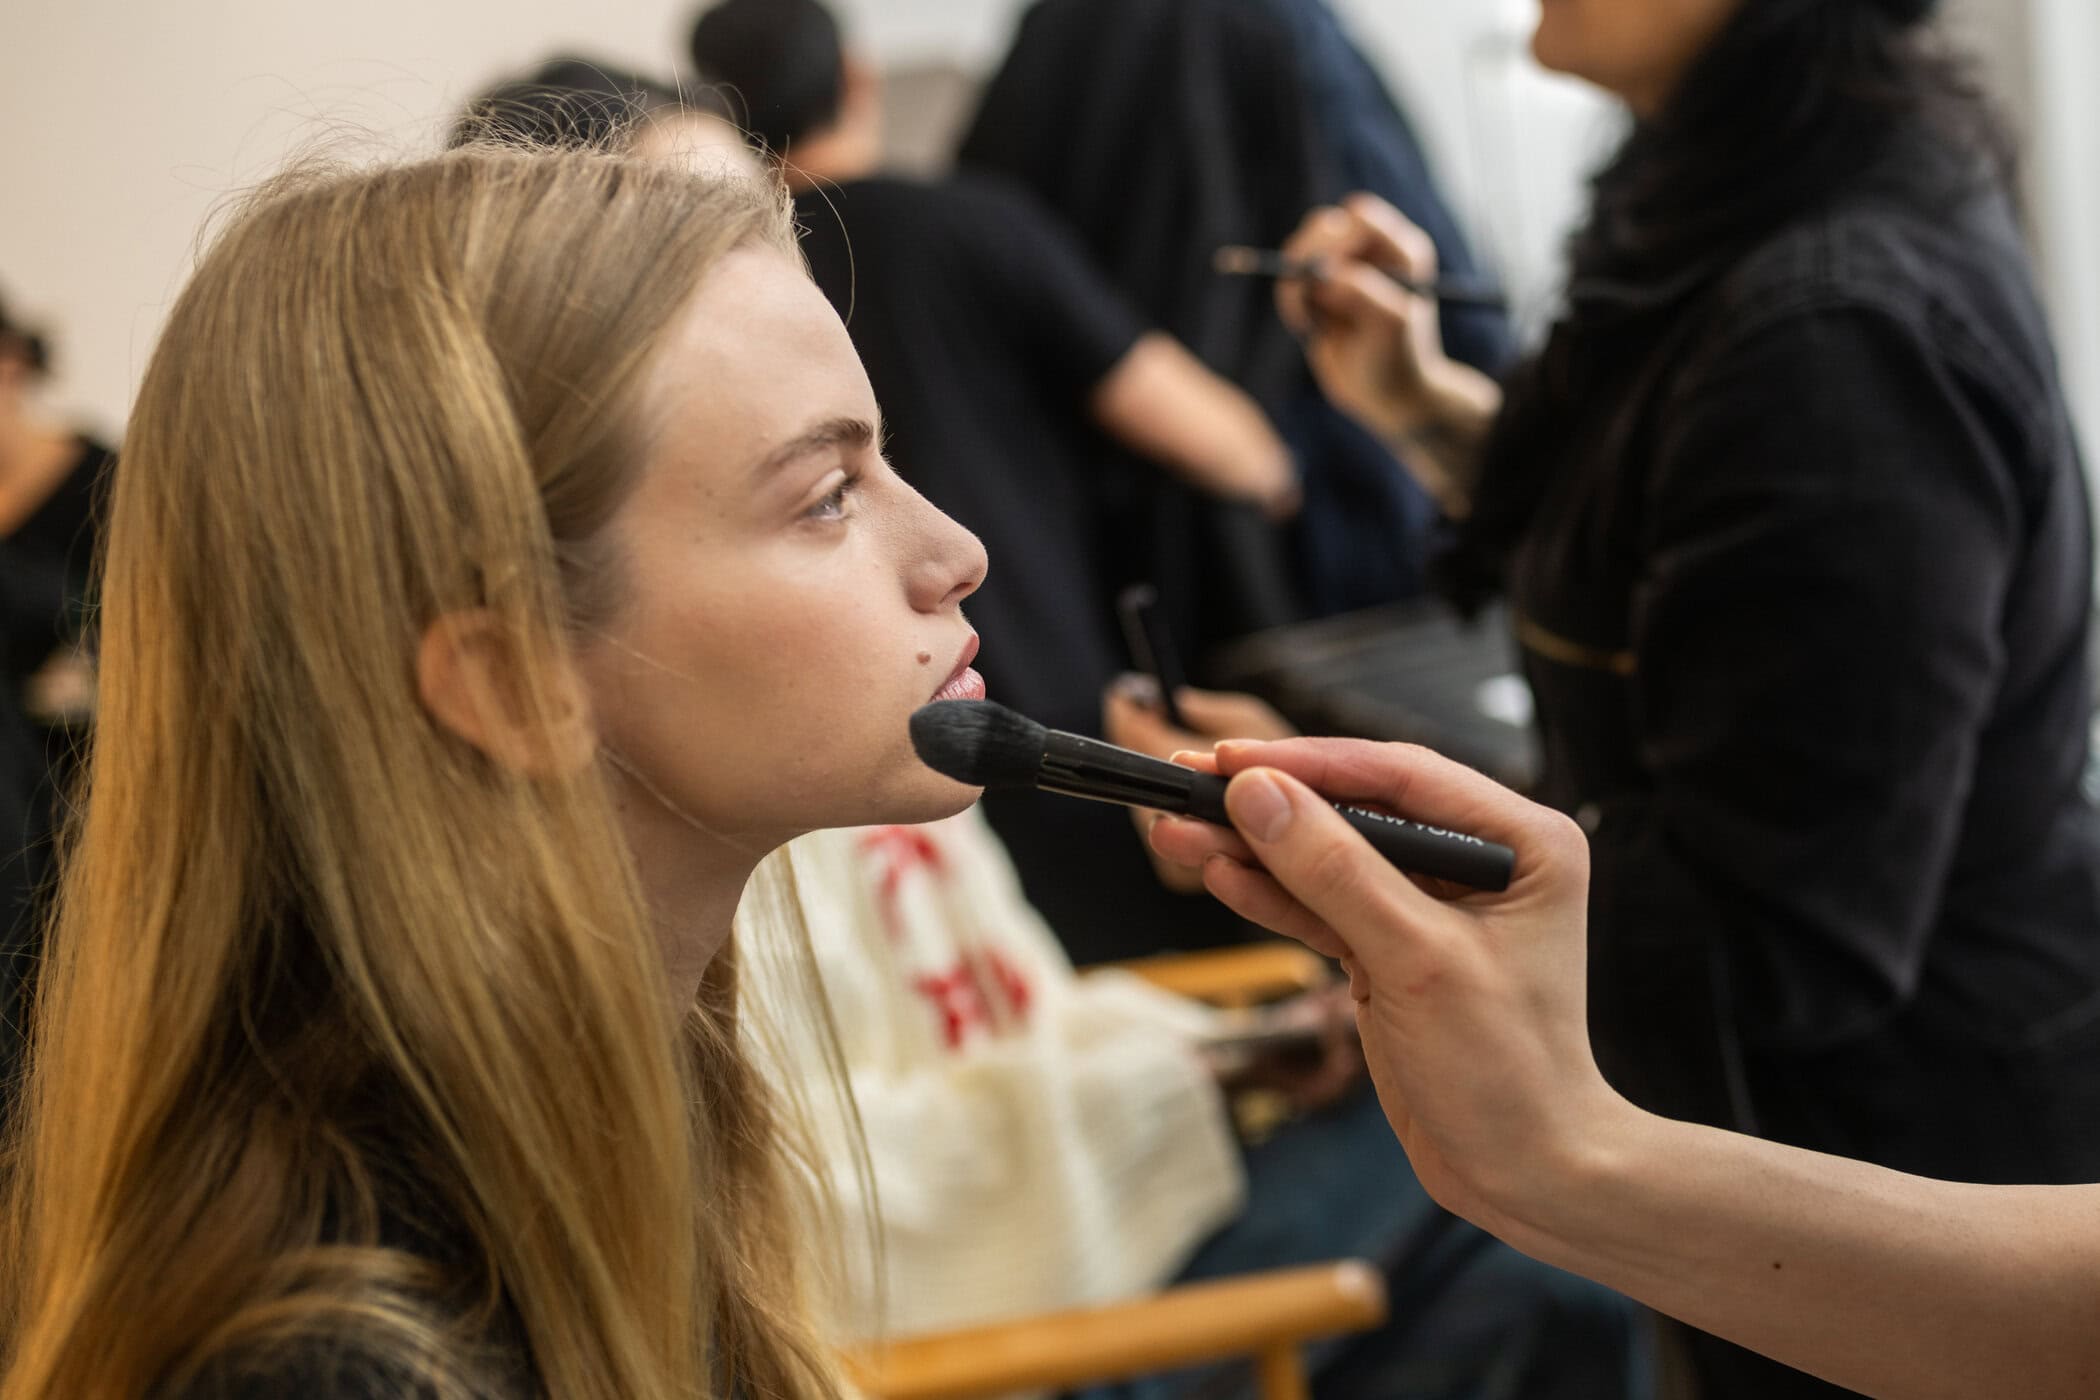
(787, 79)
(1793, 525)
(1012, 377)
(571, 102)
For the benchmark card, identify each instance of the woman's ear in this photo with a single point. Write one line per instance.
(472, 678)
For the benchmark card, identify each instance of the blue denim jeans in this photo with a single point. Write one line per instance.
(1472, 1319)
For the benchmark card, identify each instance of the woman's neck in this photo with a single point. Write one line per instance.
(692, 880)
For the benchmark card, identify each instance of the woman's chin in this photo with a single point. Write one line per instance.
(943, 797)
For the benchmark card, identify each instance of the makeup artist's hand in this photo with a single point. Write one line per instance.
(1471, 1005)
(1378, 350)
(1133, 718)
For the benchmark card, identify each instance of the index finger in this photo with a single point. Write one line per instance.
(1404, 779)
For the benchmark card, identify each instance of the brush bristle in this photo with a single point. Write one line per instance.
(979, 743)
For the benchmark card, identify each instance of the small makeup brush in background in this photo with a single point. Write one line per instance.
(1237, 260)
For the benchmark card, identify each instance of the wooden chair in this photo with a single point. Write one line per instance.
(1232, 977)
(1264, 1317)
(1267, 1317)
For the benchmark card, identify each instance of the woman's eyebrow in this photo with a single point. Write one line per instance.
(853, 434)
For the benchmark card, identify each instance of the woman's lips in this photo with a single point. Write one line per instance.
(963, 682)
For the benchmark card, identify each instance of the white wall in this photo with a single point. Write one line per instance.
(1511, 143)
(129, 119)
(2064, 165)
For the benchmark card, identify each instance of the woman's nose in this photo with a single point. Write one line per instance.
(953, 563)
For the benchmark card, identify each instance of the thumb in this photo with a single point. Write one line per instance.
(1386, 921)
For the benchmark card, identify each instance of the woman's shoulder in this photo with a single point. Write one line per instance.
(335, 1367)
(432, 1329)
(1878, 275)
(312, 1368)
(1931, 254)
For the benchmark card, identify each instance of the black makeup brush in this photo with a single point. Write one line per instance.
(1235, 260)
(988, 745)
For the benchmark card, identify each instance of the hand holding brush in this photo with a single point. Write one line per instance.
(1377, 347)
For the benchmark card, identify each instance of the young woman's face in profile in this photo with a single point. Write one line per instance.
(786, 601)
(1635, 49)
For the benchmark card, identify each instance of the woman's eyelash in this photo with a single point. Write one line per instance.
(833, 506)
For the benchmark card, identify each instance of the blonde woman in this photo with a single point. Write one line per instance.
(502, 563)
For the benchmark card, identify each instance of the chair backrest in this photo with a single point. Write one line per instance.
(1266, 1318)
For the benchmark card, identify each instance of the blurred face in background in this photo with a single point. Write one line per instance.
(1634, 49)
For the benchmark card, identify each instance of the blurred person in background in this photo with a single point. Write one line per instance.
(1012, 378)
(577, 102)
(1164, 129)
(51, 479)
(1795, 531)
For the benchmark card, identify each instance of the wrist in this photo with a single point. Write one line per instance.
(1458, 399)
(1439, 428)
(1558, 1200)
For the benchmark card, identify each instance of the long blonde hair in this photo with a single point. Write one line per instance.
(319, 965)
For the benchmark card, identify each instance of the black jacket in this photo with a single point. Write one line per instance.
(1803, 574)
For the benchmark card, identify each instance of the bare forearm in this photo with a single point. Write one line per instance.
(1889, 1284)
(1163, 402)
(1443, 444)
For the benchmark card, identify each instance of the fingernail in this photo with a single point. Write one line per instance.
(1259, 806)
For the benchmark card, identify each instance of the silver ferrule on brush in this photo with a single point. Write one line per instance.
(1080, 767)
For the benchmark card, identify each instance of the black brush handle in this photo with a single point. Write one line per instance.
(1410, 846)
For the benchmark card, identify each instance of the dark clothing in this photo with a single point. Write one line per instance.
(1803, 569)
(499, 1365)
(311, 1371)
(50, 561)
(328, 1370)
(1164, 129)
(1471, 1318)
(1161, 129)
(46, 569)
(986, 331)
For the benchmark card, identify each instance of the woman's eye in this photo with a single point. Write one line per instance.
(833, 506)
